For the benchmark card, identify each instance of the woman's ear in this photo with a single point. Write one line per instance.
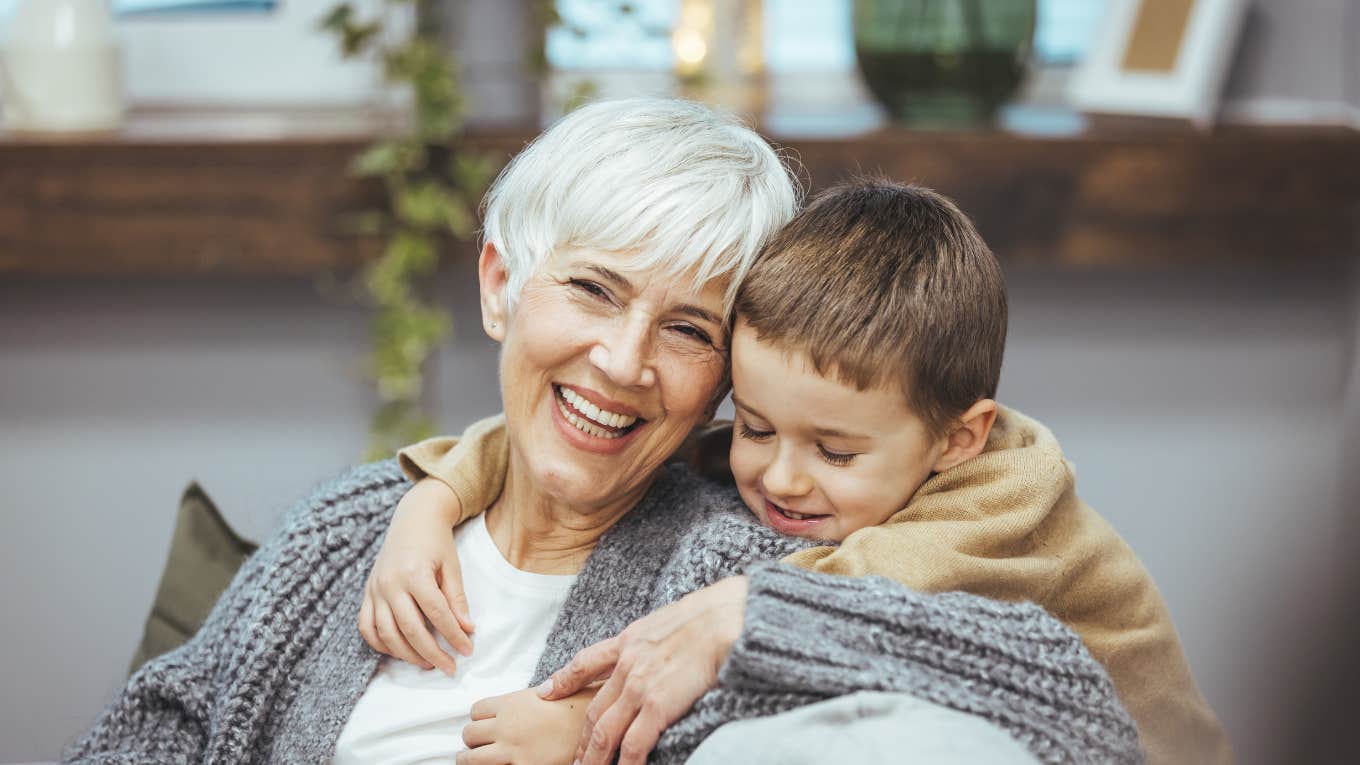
(493, 278)
(969, 436)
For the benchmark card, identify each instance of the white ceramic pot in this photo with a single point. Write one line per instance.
(60, 67)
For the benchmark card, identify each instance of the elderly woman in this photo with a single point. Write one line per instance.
(613, 244)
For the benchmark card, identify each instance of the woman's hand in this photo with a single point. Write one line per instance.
(417, 577)
(523, 729)
(657, 668)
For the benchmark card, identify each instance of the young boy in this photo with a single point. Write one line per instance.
(866, 353)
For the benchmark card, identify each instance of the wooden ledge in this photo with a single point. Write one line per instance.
(265, 194)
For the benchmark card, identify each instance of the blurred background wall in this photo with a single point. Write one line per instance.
(1202, 406)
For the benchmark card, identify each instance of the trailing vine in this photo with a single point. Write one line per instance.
(432, 191)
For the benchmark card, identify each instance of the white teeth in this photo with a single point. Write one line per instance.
(599, 416)
(581, 423)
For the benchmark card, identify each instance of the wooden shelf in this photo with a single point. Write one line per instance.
(265, 194)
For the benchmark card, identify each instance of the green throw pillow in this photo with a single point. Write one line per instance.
(204, 556)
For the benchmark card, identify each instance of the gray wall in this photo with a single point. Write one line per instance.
(1201, 411)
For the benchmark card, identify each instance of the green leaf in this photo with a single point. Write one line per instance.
(459, 220)
(425, 204)
(355, 38)
(368, 223)
(388, 158)
(413, 254)
(338, 18)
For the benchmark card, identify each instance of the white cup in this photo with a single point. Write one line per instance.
(60, 67)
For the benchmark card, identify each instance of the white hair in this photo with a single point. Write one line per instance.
(681, 186)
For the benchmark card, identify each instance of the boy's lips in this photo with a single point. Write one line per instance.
(783, 520)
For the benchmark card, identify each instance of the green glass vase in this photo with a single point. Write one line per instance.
(943, 63)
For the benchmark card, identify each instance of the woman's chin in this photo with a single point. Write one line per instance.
(577, 486)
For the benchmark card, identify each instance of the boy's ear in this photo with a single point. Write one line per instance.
(493, 278)
(969, 436)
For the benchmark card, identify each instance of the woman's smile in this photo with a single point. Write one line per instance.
(604, 428)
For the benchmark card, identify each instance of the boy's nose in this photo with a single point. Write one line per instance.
(783, 480)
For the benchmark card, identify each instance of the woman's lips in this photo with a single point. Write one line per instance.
(600, 401)
(780, 520)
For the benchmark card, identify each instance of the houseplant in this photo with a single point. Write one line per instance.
(431, 191)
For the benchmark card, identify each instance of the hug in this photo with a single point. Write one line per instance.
(875, 556)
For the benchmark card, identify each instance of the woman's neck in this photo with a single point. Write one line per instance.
(539, 534)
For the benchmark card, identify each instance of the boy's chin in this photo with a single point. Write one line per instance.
(828, 539)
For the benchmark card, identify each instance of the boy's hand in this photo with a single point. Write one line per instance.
(417, 577)
(523, 729)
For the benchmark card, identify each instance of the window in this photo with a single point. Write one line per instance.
(800, 35)
(126, 7)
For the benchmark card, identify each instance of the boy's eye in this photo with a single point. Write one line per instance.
(752, 434)
(836, 458)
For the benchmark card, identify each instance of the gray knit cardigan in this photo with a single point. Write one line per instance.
(274, 673)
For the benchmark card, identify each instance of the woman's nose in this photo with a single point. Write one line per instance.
(625, 355)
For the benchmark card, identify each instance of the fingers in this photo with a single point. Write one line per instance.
(412, 626)
(368, 628)
(391, 636)
(432, 602)
(599, 708)
(589, 665)
(641, 737)
(486, 708)
(479, 732)
(604, 735)
(491, 754)
(451, 584)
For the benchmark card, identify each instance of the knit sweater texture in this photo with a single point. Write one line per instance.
(276, 670)
(1007, 524)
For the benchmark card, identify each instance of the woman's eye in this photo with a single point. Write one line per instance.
(692, 331)
(752, 434)
(590, 288)
(836, 458)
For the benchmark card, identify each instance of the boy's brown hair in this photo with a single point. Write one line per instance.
(880, 283)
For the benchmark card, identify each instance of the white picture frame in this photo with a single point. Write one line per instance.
(1188, 88)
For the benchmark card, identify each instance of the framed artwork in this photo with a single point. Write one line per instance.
(1163, 58)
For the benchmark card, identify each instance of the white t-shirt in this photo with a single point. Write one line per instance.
(409, 715)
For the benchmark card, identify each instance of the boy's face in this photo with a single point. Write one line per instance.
(814, 457)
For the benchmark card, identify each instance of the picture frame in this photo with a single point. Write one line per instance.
(1159, 58)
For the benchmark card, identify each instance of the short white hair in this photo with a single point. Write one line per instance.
(685, 187)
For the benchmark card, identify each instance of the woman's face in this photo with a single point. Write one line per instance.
(604, 371)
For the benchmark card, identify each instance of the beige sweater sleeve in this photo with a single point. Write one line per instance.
(473, 464)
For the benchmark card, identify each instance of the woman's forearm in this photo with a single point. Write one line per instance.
(820, 635)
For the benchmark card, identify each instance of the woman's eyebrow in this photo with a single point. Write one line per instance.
(609, 274)
(702, 314)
